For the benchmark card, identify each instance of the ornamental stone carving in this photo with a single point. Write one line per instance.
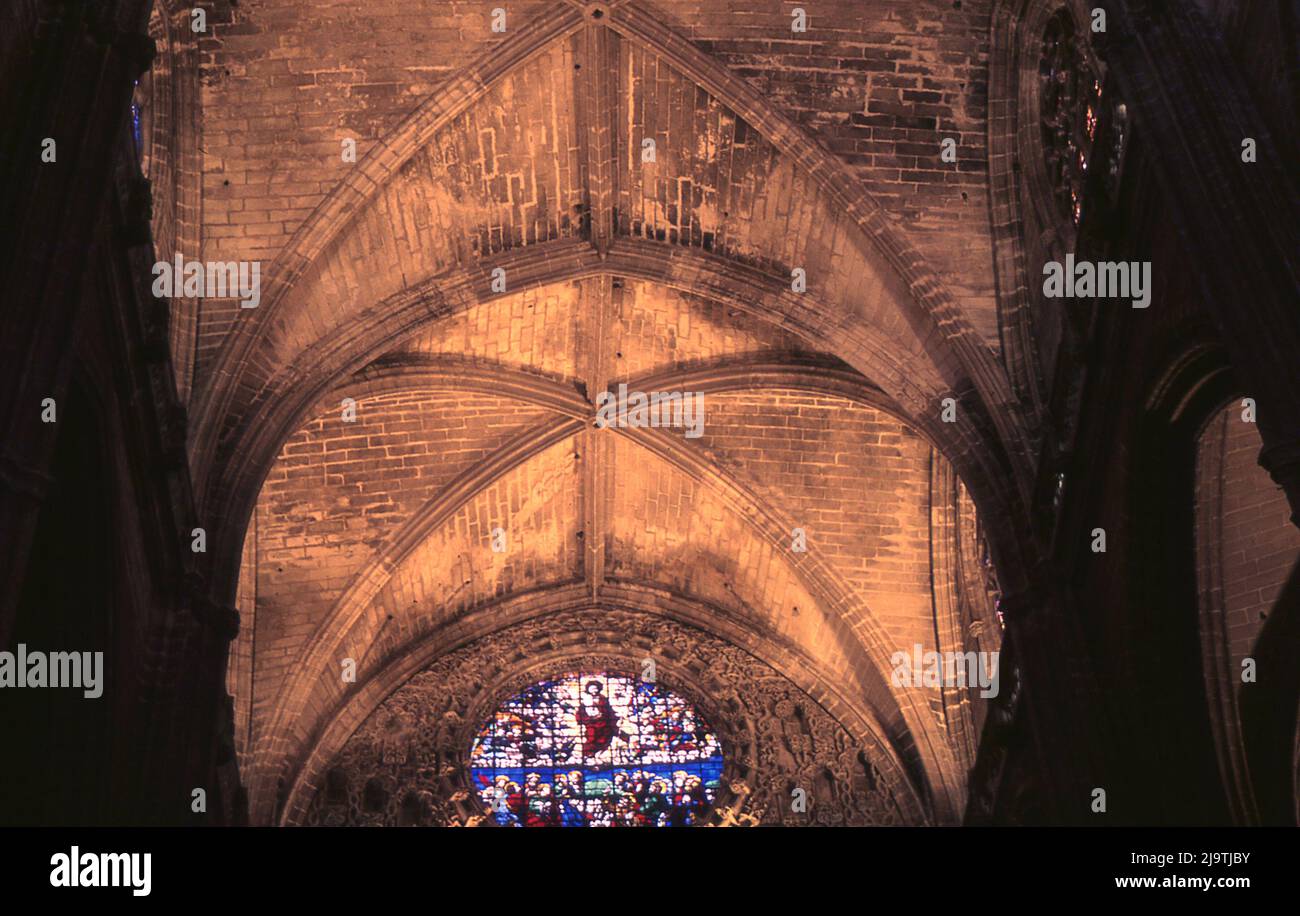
(407, 763)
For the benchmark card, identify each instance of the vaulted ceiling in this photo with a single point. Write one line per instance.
(604, 193)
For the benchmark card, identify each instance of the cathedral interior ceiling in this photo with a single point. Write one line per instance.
(582, 207)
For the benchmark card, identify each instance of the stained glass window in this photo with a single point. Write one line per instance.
(142, 120)
(593, 749)
(1071, 100)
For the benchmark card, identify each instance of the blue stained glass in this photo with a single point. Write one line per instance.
(136, 132)
(593, 749)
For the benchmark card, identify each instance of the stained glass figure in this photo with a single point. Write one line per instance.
(593, 749)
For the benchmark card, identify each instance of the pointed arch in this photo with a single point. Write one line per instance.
(349, 348)
(862, 641)
(644, 598)
(950, 335)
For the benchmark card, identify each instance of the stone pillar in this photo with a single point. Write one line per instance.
(69, 80)
(1238, 220)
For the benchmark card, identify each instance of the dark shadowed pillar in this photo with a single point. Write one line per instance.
(1239, 220)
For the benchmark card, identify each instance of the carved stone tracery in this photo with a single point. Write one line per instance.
(406, 765)
(1070, 98)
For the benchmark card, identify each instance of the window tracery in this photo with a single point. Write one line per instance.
(1070, 106)
(418, 742)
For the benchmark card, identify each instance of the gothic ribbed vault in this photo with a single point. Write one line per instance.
(919, 540)
(588, 201)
